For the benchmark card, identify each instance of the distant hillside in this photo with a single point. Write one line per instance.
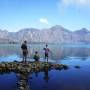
(55, 34)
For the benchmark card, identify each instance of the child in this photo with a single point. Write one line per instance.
(36, 56)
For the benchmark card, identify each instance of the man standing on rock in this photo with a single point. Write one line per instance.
(24, 51)
(47, 50)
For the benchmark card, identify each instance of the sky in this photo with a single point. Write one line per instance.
(19, 14)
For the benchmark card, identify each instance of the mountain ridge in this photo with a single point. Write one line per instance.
(55, 34)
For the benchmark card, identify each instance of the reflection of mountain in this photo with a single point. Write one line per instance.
(55, 34)
(57, 52)
(64, 52)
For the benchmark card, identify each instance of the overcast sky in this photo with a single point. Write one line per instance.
(18, 14)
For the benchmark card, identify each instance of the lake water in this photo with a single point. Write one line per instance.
(10, 52)
(69, 79)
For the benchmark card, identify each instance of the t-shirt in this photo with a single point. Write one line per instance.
(36, 56)
(24, 47)
(46, 50)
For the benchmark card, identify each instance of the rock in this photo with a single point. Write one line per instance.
(30, 67)
(65, 67)
(77, 67)
(21, 88)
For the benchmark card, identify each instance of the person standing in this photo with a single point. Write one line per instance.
(46, 53)
(24, 51)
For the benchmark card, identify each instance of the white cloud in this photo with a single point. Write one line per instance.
(75, 2)
(44, 20)
(63, 5)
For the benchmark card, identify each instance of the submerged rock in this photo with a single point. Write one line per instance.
(78, 67)
(65, 67)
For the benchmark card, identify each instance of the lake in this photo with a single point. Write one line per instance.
(11, 52)
(69, 79)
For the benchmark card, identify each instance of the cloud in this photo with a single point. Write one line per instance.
(44, 20)
(74, 2)
(63, 5)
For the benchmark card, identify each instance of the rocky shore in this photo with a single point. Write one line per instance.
(29, 67)
(24, 69)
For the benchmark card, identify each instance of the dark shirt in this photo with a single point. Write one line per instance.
(24, 47)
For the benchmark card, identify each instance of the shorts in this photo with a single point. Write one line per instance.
(46, 54)
(25, 53)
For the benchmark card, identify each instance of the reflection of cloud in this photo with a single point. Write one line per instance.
(43, 20)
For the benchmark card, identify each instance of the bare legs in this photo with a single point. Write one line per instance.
(46, 58)
(24, 58)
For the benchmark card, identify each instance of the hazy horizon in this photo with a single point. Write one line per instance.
(19, 14)
(24, 28)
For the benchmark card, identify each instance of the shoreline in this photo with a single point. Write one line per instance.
(29, 66)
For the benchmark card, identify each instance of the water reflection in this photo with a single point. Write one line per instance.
(46, 75)
(58, 51)
(72, 79)
(8, 81)
(23, 81)
(36, 74)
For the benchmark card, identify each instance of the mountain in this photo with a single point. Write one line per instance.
(55, 34)
(81, 36)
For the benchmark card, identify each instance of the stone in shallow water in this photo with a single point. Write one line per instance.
(65, 67)
(78, 67)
